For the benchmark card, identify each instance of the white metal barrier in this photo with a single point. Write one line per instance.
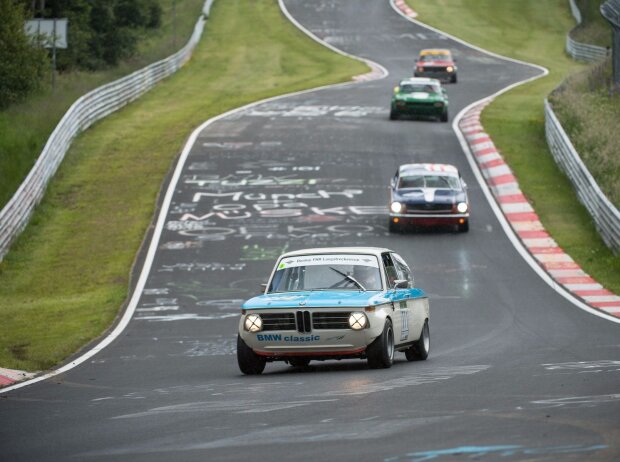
(605, 215)
(88, 109)
(583, 51)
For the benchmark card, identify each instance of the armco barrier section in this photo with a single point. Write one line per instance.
(605, 215)
(583, 51)
(88, 109)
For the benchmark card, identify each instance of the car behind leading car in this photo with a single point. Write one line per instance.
(428, 195)
(419, 97)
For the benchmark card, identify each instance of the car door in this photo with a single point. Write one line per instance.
(411, 309)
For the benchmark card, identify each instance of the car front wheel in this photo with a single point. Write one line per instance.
(381, 351)
(420, 349)
(249, 362)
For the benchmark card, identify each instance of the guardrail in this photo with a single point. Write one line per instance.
(583, 51)
(605, 215)
(88, 109)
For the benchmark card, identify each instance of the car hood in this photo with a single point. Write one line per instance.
(428, 195)
(320, 299)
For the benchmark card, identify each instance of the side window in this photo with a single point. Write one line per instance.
(390, 270)
(402, 269)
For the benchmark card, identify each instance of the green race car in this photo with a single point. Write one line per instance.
(419, 96)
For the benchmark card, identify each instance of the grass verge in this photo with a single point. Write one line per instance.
(588, 106)
(63, 282)
(532, 31)
(25, 127)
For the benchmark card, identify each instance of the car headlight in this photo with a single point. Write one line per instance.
(358, 321)
(253, 323)
(449, 69)
(438, 104)
(462, 207)
(396, 207)
(420, 69)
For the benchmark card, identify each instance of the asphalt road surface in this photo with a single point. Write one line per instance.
(516, 372)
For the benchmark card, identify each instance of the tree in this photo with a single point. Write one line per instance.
(23, 65)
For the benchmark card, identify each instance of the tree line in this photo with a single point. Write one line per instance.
(100, 33)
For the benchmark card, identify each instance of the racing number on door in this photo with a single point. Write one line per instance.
(404, 321)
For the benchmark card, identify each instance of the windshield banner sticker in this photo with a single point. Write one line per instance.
(334, 259)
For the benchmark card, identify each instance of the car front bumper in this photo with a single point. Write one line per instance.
(429, 219)
(443, 76)
(317, 344)
(419, 109)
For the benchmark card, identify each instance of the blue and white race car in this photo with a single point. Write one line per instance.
(335, 303)
(428, 195)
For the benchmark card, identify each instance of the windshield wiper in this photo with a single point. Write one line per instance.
(349, 277)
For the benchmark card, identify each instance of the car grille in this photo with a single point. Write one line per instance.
(278, 321)
(337, 320)
(305, 321)
(434, 68)
(430, 207)
(419, 104)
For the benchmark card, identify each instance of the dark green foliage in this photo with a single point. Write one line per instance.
(22, 64)
(100, 32)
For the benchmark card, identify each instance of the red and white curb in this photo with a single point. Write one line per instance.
(10, 376)
(402, 6)
(525, 222)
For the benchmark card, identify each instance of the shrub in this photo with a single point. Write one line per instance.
(23, 65)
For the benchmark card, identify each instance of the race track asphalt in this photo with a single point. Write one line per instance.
(516, 372)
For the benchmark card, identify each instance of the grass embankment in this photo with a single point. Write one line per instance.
(63, 282)
(25, 127)
(589, 108)
(532, 31)
(594, 28)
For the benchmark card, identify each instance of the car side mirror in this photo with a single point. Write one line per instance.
(263, 287)
(401, 284)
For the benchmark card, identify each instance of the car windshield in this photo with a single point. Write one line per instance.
(419, 88)
(327, 272)
(433, 58)
(429, 181)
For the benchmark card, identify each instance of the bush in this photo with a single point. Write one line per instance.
(588, 106)
(100, 32)
(22, 64)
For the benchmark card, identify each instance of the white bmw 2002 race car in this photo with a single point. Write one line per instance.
(335, 303)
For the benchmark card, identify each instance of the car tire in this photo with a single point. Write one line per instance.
(454, 78)
(421, 347)
(393, 115)
(299, 362)
(380, 352)
(464, 227)
(444, 116)
(249, 362)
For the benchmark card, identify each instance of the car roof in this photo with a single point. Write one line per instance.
(420, 80)
(435, 51)
(377, 251)
(447, 169)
